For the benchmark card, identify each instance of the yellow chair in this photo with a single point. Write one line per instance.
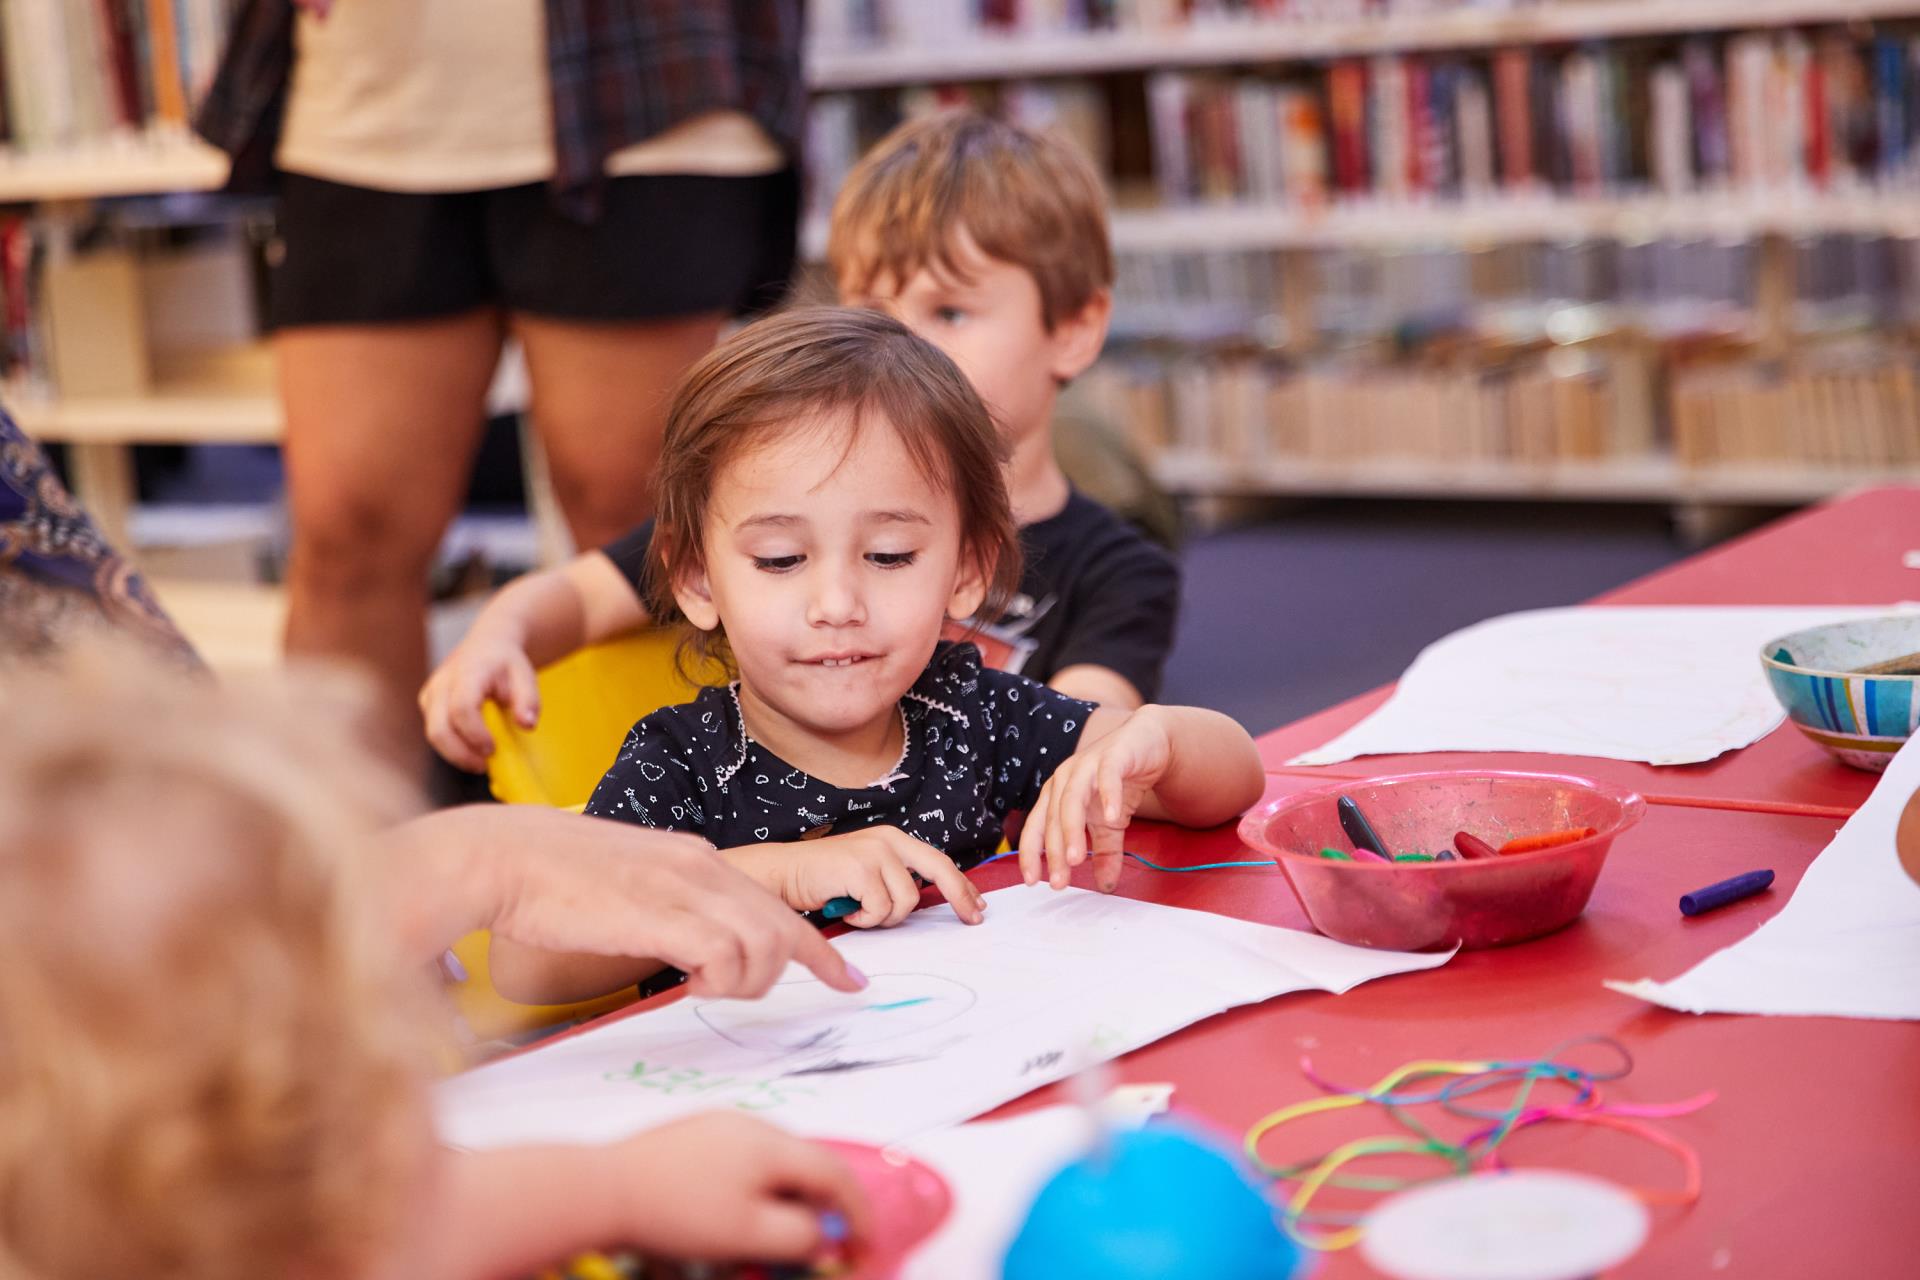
(588, 702)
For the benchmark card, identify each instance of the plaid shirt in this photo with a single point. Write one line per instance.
(620, 71)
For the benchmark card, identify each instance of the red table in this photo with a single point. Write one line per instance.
(1846, 552)
(1807, 1155)
(1809, 1151)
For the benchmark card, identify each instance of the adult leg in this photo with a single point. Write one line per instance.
(382, 425)
(600, 391)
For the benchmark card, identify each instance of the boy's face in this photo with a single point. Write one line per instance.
(832, 563)
(987, 318)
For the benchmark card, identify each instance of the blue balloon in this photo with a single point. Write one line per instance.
(1167, 1202)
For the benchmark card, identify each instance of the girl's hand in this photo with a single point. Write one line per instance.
(758, 1194)
(482, 666)
(1086, 805)
(874, 866)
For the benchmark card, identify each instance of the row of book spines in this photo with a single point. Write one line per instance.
(1758, 109)
(76, 70)
(1868, 416)
(1243, 412)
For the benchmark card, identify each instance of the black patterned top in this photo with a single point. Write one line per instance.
(979, 744)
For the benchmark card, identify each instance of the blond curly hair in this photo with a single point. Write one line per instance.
(212, 1064)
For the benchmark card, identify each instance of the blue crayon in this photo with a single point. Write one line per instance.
(837, 907)
(1719, 895)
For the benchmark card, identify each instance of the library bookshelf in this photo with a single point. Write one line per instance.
(165, 160)
(1229, 225)
(1253, 41)
(116, 167)
(1598, 80)
(1647, 478)
(1386, 222)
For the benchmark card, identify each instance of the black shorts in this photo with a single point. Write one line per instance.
(664, 245)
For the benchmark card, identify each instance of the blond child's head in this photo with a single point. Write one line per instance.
(831, 491)
(207, 1066)
(990, 241)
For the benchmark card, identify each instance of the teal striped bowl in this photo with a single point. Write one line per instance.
(1861, 719)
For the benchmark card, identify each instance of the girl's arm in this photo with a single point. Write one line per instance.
(1102, 686)
(1181, 764)
(1213, 770)
(535, 619)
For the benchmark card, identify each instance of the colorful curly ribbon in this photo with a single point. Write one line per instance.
(1480, 1150)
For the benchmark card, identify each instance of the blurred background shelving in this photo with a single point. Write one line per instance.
(1656, 251)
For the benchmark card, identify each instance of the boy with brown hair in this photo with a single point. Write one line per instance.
(989, 241)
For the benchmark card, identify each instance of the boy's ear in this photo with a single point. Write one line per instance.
(969, 589)
(695, 598)
(1077, 338)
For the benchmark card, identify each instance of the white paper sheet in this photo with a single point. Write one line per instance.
(995, 1169)
(958, 1020)
(1660, 685)
(1847, 945)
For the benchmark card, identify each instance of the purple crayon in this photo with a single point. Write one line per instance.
(1719, 895)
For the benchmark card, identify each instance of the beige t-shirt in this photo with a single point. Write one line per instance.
(452, 95)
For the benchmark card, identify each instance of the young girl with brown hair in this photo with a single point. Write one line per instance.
(830, 496)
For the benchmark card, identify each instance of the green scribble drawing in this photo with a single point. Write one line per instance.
(754, 1093)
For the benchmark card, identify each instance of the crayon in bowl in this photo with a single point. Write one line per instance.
(1474, 901)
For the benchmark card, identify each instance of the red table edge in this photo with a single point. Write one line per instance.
(1784, 808)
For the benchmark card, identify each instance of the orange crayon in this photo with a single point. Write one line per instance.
(1549, 840)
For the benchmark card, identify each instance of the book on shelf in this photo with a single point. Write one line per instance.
(1541, 409)
(115, 307)
(1244, 409)
(1816, 110)
(1516, 354)
(909, 24)
(1854, 409)
(78, 73)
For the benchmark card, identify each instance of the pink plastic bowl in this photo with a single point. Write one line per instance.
(1415, 906)
(909, 1200)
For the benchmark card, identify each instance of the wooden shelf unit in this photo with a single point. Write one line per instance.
(1652, 478)
(1770, 214)
(111, 167)
(100, 428)
(1254, 41)
(160, 418)
(1708, 215)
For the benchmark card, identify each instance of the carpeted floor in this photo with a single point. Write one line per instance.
(1288, 616)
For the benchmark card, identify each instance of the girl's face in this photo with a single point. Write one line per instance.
(832, 563)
